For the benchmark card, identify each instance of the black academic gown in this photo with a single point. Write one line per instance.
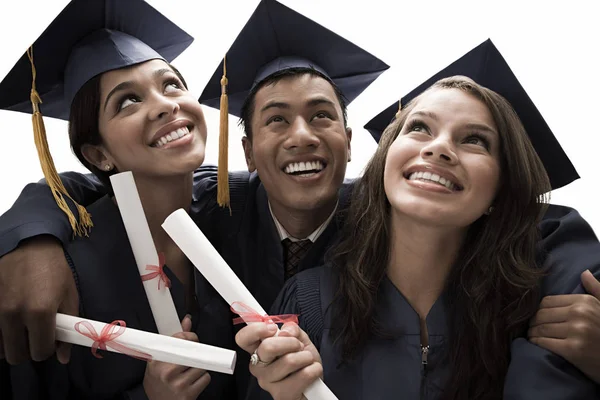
(110, 288)
(249, 242)
(567, 239)
(390, 366)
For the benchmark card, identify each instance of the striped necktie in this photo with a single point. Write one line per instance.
(293, 255)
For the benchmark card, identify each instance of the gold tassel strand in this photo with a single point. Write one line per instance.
(59, 192)
(223, 169)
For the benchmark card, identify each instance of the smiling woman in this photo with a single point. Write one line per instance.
(128, 110)
(430, 289)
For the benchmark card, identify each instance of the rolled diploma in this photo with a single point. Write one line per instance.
(160, 347)
(144, 251)
(186, 234)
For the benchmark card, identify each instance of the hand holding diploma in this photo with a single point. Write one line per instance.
(208, 261)
(170, 381)
(116, 337)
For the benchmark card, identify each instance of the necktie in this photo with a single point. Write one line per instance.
(293, 255)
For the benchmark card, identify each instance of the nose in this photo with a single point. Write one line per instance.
(440, 149)
(163, 106)
(301, 134)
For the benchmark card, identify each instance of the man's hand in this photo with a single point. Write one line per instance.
(35, 283)
(569, 325)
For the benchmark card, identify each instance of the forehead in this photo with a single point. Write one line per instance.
(139, 71)
(295, 89)
(454, 104)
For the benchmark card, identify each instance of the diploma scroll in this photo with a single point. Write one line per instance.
(184, 232)
(144, 251)
(159, 347)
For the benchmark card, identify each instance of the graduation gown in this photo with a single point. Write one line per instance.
(390, 366)
(110, 288)
(248, 240)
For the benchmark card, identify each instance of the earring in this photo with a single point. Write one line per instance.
(107, 167)
(489, 210)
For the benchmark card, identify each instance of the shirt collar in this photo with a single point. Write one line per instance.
(284, 234)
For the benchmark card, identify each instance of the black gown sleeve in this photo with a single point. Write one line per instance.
(35, 211)
(568, 247)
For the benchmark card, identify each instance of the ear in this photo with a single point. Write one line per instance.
(247, 144)
(349, 135)
(97, 156)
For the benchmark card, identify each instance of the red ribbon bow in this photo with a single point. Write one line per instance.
(247, 314)
(107, 339)
(158, 271)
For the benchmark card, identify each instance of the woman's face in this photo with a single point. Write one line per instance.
(443, 169)
(149, 123)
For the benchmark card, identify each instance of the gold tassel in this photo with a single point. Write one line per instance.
(59, 192)
(223, 169)
(399, 108)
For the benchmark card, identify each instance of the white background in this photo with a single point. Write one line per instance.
(552, 47)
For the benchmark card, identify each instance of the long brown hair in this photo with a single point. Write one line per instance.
(493, 286)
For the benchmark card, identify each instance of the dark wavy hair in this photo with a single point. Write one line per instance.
(493, 285)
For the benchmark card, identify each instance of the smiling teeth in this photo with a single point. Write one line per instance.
(304, 167)
(428, 176)
(169, 137)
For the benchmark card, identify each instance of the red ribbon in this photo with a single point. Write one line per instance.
(107, 339)
(158, 271)
(247, 314)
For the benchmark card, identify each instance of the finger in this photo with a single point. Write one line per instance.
(554, 331)
(201, 383)
(249, 337)
(591, 284)
(2, 356)
(282, 367)
(191, 375)
(191, 336)
(561, 300)
(41, 329)
(550, 315)
(69, 306)
(297, 383)
(14, 337)
(557, 346)
(274, 347)
(186, 323)
(290, 329)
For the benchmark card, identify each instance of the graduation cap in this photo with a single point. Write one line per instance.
(486, 66)
(274, 39)
(88, 38)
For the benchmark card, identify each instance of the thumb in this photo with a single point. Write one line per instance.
(590, 283)
(69, 306)
(186, 323)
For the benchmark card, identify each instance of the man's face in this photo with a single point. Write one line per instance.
(300, 146)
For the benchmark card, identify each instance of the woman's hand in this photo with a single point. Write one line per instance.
(165, 381)
(288, 363)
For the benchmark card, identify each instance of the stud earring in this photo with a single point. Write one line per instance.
(489, 210)
(107, 167)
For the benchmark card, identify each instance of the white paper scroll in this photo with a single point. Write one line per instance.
(184, 232)
(160, 347)
(144, 251)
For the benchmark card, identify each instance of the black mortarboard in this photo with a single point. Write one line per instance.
(276, 38)
(486, 66)
(87, 38)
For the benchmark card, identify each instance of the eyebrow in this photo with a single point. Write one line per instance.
(482, 127)
(310, 103)
(427, 114)
(479, 127)
(128, 84)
